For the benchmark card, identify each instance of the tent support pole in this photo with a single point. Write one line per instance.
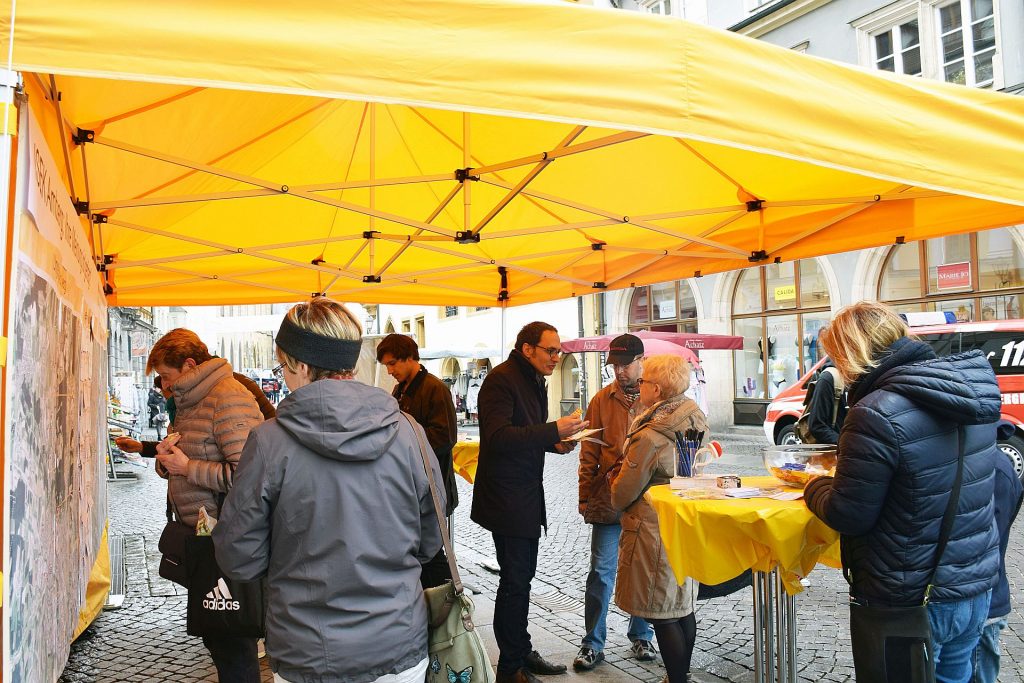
(197, 278)
(852, 211)
(430, 219)
(527, 179)
(645, 264)
(55, 94)
(590, 145)
(467, 183)
(503, 262)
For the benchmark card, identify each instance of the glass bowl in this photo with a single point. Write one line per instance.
(796, 464)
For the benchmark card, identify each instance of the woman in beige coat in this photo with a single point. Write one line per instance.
(646, 586)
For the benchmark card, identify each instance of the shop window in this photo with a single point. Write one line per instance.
(978, 276)
(663, 307)
(570, 378)
(779, 310)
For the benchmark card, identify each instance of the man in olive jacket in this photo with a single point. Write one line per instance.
(508, 495)
(613, 410)
(428, 400)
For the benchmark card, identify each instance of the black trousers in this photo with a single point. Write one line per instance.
(436, 571)
(517, 559)
(235, 659)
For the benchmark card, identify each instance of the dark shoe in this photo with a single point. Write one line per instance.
(587, 659)
(538, 665)
(644, 651)
(521, 676)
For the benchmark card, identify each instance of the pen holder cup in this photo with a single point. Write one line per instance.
(700, 460)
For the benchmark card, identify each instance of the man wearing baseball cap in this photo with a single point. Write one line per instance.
(614, 409)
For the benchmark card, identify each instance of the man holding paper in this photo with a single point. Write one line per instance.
(613, 408)
(508, 495)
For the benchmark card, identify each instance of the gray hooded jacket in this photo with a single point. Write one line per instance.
(331, 503)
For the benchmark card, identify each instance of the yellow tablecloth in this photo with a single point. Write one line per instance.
(716, 540)
(464, 455)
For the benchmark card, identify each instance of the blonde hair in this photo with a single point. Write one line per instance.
(671, 373)
(858, 334)
(328, 318)
(175, 347)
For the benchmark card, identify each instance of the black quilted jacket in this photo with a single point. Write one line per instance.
(897, 463)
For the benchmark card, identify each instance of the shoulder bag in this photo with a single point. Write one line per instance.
(894, 644)
(172, 546)
(455, 650)
(802, 428)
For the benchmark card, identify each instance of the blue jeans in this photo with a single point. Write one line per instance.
(604, 561)
(235, 659)
(986, 655)
(956, 630)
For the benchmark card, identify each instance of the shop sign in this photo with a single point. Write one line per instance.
(785, 293)
(953, 276)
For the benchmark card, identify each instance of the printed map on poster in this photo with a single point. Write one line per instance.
(56, 415)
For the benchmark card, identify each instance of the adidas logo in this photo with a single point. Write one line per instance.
(220, 599)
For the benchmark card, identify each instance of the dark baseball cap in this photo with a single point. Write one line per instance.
(624, 349)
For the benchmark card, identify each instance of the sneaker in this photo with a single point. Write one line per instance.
(644, 651)
(587, 659)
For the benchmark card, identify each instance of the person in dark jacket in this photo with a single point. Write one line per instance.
(508, 494)
(155, 403)
(429, 401)
(898, 453)
(1008, 495)
(825, 414)
(332, 504)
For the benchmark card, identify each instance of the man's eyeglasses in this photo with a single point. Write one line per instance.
(551, 351)
(278, 371)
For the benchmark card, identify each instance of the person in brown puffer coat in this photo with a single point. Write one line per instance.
(214, 416)
(646, 586)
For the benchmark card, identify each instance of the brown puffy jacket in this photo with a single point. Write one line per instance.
(611, 410)
(214, 416)
(646, 586)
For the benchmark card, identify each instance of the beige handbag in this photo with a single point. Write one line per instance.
(456, 653)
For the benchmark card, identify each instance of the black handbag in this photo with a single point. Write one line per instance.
(173, 546)
(894, 644)
(219, 606)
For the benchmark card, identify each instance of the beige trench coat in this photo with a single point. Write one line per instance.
(646, 586)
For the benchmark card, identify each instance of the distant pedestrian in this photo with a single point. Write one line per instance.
(155, 402)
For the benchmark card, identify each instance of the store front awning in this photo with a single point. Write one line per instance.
(692, 341)
(481, 153)
(476, 353)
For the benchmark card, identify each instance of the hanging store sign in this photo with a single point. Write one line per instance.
(785, 293)
(953, 276)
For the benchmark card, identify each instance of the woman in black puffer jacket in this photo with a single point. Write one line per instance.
(898, 453)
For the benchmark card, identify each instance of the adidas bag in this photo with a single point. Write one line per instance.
(219, 606)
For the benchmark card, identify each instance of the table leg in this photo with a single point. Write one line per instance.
(759, 644)
(785, 643)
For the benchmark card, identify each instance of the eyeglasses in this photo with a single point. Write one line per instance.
(551, 351)
(278, 371)
(640, 381)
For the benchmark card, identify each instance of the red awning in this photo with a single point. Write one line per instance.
(694, 342)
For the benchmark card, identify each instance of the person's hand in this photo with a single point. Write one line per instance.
(128, 444)
(565, 447)
(569, 425)
(583, 507)
(174, 460)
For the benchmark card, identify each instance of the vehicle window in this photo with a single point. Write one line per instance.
(944, 344)
(1004, 350)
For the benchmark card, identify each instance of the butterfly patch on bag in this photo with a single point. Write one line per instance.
(464, 676)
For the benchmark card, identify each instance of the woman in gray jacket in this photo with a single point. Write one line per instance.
(331, 503)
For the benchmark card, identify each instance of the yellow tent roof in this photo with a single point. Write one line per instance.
(256, 152)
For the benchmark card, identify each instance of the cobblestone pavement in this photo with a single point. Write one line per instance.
(145, 640)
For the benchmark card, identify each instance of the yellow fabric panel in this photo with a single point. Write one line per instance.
(465, 455)
(715, 540)
(98, 588)
(245, 122)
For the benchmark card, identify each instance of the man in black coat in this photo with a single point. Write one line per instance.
(508, 495)
(429, 401)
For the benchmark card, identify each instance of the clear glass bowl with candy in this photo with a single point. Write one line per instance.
(797, 464)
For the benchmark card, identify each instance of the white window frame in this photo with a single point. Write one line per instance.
(649, 6)
(927, 13)
(754, 6)
(934, 6)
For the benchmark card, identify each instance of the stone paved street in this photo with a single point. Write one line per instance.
(145, 640)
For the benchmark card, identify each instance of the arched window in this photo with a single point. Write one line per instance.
(977, 276)
(778, 309)
(570, 378)
(664, 307)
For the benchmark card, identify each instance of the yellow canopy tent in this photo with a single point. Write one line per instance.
(468, 152)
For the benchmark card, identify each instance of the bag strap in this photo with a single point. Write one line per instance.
(947, 517)
(438, 510)
(837, 393)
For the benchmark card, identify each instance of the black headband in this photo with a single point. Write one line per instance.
(317, 350)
